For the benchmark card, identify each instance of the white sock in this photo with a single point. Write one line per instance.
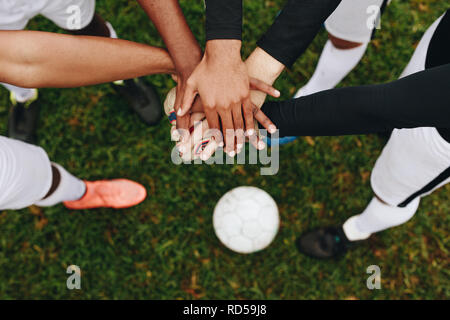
(377, 217)
(334, 64)
(21, 94)
(70, 188)
(112, 32)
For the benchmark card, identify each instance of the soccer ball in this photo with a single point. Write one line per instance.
(246, 219)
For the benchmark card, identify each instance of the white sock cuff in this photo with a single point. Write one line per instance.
(70, 188)
(112, 32)
(21, 94)
(351, 230)
(334, 64)
(377, 217)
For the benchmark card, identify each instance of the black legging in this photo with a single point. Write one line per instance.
(419, 100)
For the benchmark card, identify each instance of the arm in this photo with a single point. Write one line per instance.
(419, 100)
(184, 49)
(221, 78)
(295, 28)
(42, 59)
(262, 66)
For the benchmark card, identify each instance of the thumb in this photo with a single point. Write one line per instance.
(187, 101)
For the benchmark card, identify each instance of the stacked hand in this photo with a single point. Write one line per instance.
(223, 87)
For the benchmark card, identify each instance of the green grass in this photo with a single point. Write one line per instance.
(165, 248)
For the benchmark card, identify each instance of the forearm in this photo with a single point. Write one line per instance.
(41, 59)
(262, 66)
(420, 100)
(223, 19)
(295, 28)
(168, 18)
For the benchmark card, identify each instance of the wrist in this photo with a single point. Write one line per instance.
(264, 67)
(223, 49)
(187, 65)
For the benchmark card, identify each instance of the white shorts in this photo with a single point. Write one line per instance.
(414, 162)
(15, 14)
(353, 20)
(25, 174)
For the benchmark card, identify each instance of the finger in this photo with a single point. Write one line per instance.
(209, 150)
(195, 117)
(175, 136)
(256, 84)
(238, 127)
(187, 100)
(184, 143)
(213, 122)
(228, 130)
(264, 120)
(248, 116)
(182, 121)
(197, 106)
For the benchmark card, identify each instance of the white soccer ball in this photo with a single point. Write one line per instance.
(246, 219)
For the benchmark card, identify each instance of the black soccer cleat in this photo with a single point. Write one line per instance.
(324, 243)
(22, 120)
(142, 98)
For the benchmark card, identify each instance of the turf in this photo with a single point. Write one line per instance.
(165, 248)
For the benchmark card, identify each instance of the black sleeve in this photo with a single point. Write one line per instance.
(419, 100)
(223, 19)
(295, 28)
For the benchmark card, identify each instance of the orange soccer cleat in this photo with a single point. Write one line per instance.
(118, 194)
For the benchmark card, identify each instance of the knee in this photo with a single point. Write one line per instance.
(343, 44)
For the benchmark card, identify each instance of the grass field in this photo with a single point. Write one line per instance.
(165, 248)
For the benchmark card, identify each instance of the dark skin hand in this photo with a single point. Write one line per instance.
(223, 85)
(184, 49)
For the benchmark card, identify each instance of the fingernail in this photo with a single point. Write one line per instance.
(261, 145)
(239, 146)
(221, 144)
(272, 129)
(277, 93)
(250, 132)
(232, 154)
(179, 113)
(175, 135)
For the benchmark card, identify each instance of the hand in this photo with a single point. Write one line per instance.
(182, 121)
(201, 142)
(222, 83)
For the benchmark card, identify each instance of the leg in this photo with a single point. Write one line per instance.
(141, 96)
(423, 151)
(349, 36)
(24, 109)
(28, 177)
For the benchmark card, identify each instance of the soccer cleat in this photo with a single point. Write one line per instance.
(22, 119)
(324, 243)
(142, 98)
(117, 194)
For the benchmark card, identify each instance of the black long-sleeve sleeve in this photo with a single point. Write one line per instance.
(295, 28)
(223, 19)
(419, 100)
